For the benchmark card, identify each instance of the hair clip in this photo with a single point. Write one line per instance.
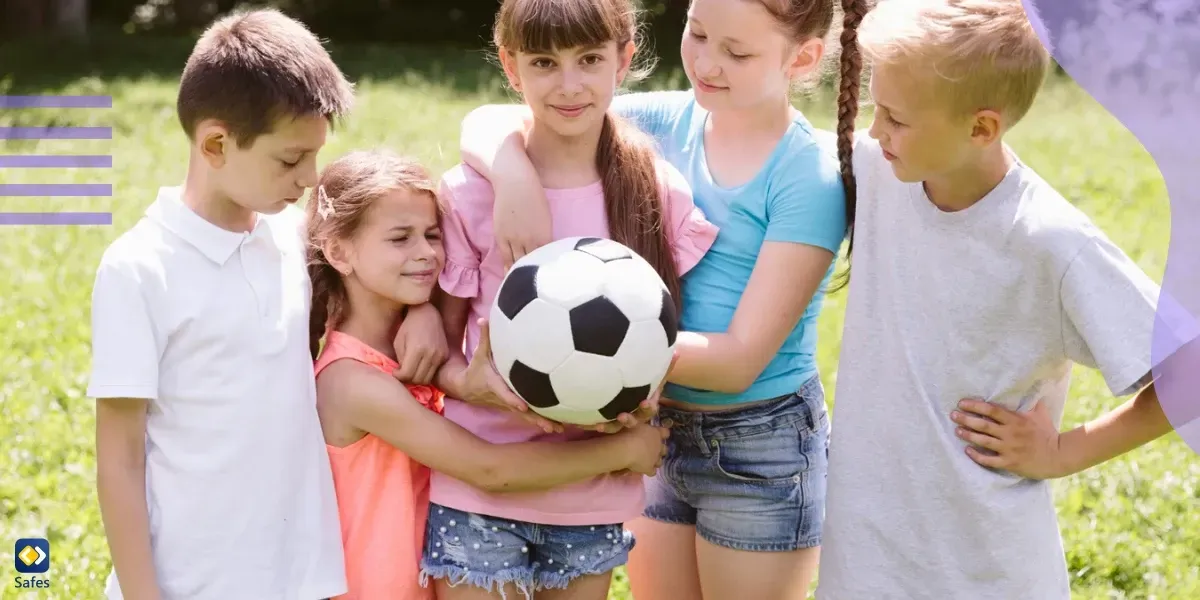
(324, 203)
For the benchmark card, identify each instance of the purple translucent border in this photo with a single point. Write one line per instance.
(55, 218)
(55, 101)
(55, 133)
(1140, 59)
(55, 189)
(52, 161)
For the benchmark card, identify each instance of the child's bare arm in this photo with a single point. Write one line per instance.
(121, 487)
(477, 381)
(420, 343)
(783, 283)
(493, 143)
(373, 402)
(1028, 444)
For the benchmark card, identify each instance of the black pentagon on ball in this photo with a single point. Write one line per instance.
(518, 290)
(598, 327)
(626, 401)
(603, 249)
(532, 385)
(668, 318)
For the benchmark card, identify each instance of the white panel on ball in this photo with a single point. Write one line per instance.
(503, 355)
(586, 381)
(571, 416)
(571, 279)
(634, 286)
(541, 336)
(644, 354)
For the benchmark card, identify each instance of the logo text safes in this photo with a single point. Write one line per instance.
(30, 557)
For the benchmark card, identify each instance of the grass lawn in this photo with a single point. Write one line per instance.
(1130, 527)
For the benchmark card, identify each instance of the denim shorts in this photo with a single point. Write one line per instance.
(488, 552)
(750, 478)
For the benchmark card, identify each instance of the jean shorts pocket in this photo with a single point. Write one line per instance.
(769, 458)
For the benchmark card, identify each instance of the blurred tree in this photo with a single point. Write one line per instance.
(23, 17)
(72, 18)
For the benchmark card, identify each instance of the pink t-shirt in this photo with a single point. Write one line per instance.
(474, 269)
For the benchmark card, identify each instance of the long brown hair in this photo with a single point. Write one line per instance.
(336, 208)
(808, 19)
(633, 197)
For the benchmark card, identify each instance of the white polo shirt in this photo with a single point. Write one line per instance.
(212, 327)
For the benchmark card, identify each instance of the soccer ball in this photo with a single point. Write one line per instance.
(583, 329)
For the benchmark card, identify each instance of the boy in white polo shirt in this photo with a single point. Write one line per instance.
(972, 277)
(212, 474)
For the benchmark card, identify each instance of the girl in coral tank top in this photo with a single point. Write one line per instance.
(375, 249)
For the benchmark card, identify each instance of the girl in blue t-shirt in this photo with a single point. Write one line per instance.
(737, 508)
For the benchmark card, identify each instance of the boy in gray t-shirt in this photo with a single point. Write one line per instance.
(972, 278)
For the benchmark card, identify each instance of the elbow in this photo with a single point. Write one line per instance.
(489, 477)
(484, 116)
(475, 115)
(739, 380)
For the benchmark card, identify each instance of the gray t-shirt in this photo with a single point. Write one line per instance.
(996, 301)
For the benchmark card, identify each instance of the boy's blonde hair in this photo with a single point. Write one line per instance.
(978, 54)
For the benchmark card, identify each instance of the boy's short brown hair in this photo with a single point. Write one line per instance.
(250, 69)
(976, 54)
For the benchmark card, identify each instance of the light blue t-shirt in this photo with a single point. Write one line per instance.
(797, 197)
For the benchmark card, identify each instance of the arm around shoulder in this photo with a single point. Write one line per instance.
(492, 133)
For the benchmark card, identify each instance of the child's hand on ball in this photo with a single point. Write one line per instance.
(647, 445)
(482, 384)
(645, 411)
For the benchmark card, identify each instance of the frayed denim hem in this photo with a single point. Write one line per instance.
(551, 579)
(522, 577)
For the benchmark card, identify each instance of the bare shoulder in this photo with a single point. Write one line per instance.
(348, 381)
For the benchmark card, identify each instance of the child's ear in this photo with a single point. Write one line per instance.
(805, 57)
(986, 127)
(213, 141)
(625, 56)
(338, 256)
(509, 62)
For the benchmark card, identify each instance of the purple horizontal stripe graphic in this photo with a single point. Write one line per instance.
(56, 133)
(55, 101)
(54, 161)
(55, 189)
(56, 218)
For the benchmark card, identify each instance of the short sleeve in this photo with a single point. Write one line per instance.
(806, 201)
(655, 113)
(460, 275)
(1109, 315)
(691, 234)
(127, 347)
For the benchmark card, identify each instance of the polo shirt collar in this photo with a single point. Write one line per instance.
(217, 244)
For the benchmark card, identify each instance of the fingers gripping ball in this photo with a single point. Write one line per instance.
(583, 330)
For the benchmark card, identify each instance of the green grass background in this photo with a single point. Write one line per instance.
(1130, 526)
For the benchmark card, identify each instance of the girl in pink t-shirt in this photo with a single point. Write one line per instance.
(566, 57)
(375, 249)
